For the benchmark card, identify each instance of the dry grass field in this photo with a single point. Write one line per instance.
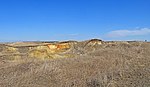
(92, 63)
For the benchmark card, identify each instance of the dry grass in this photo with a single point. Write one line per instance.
(107, 65)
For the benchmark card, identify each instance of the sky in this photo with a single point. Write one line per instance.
(40, 20)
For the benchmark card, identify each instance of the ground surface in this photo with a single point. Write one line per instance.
(75, 64)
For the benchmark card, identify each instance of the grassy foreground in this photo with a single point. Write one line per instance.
(121, 64)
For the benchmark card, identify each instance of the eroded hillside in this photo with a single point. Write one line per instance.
(42, 50)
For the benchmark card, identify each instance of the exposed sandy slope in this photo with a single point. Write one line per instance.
(92, 63)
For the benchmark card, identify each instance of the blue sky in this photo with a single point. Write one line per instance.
(25, 20)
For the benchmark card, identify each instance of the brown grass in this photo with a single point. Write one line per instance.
(106, 65)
